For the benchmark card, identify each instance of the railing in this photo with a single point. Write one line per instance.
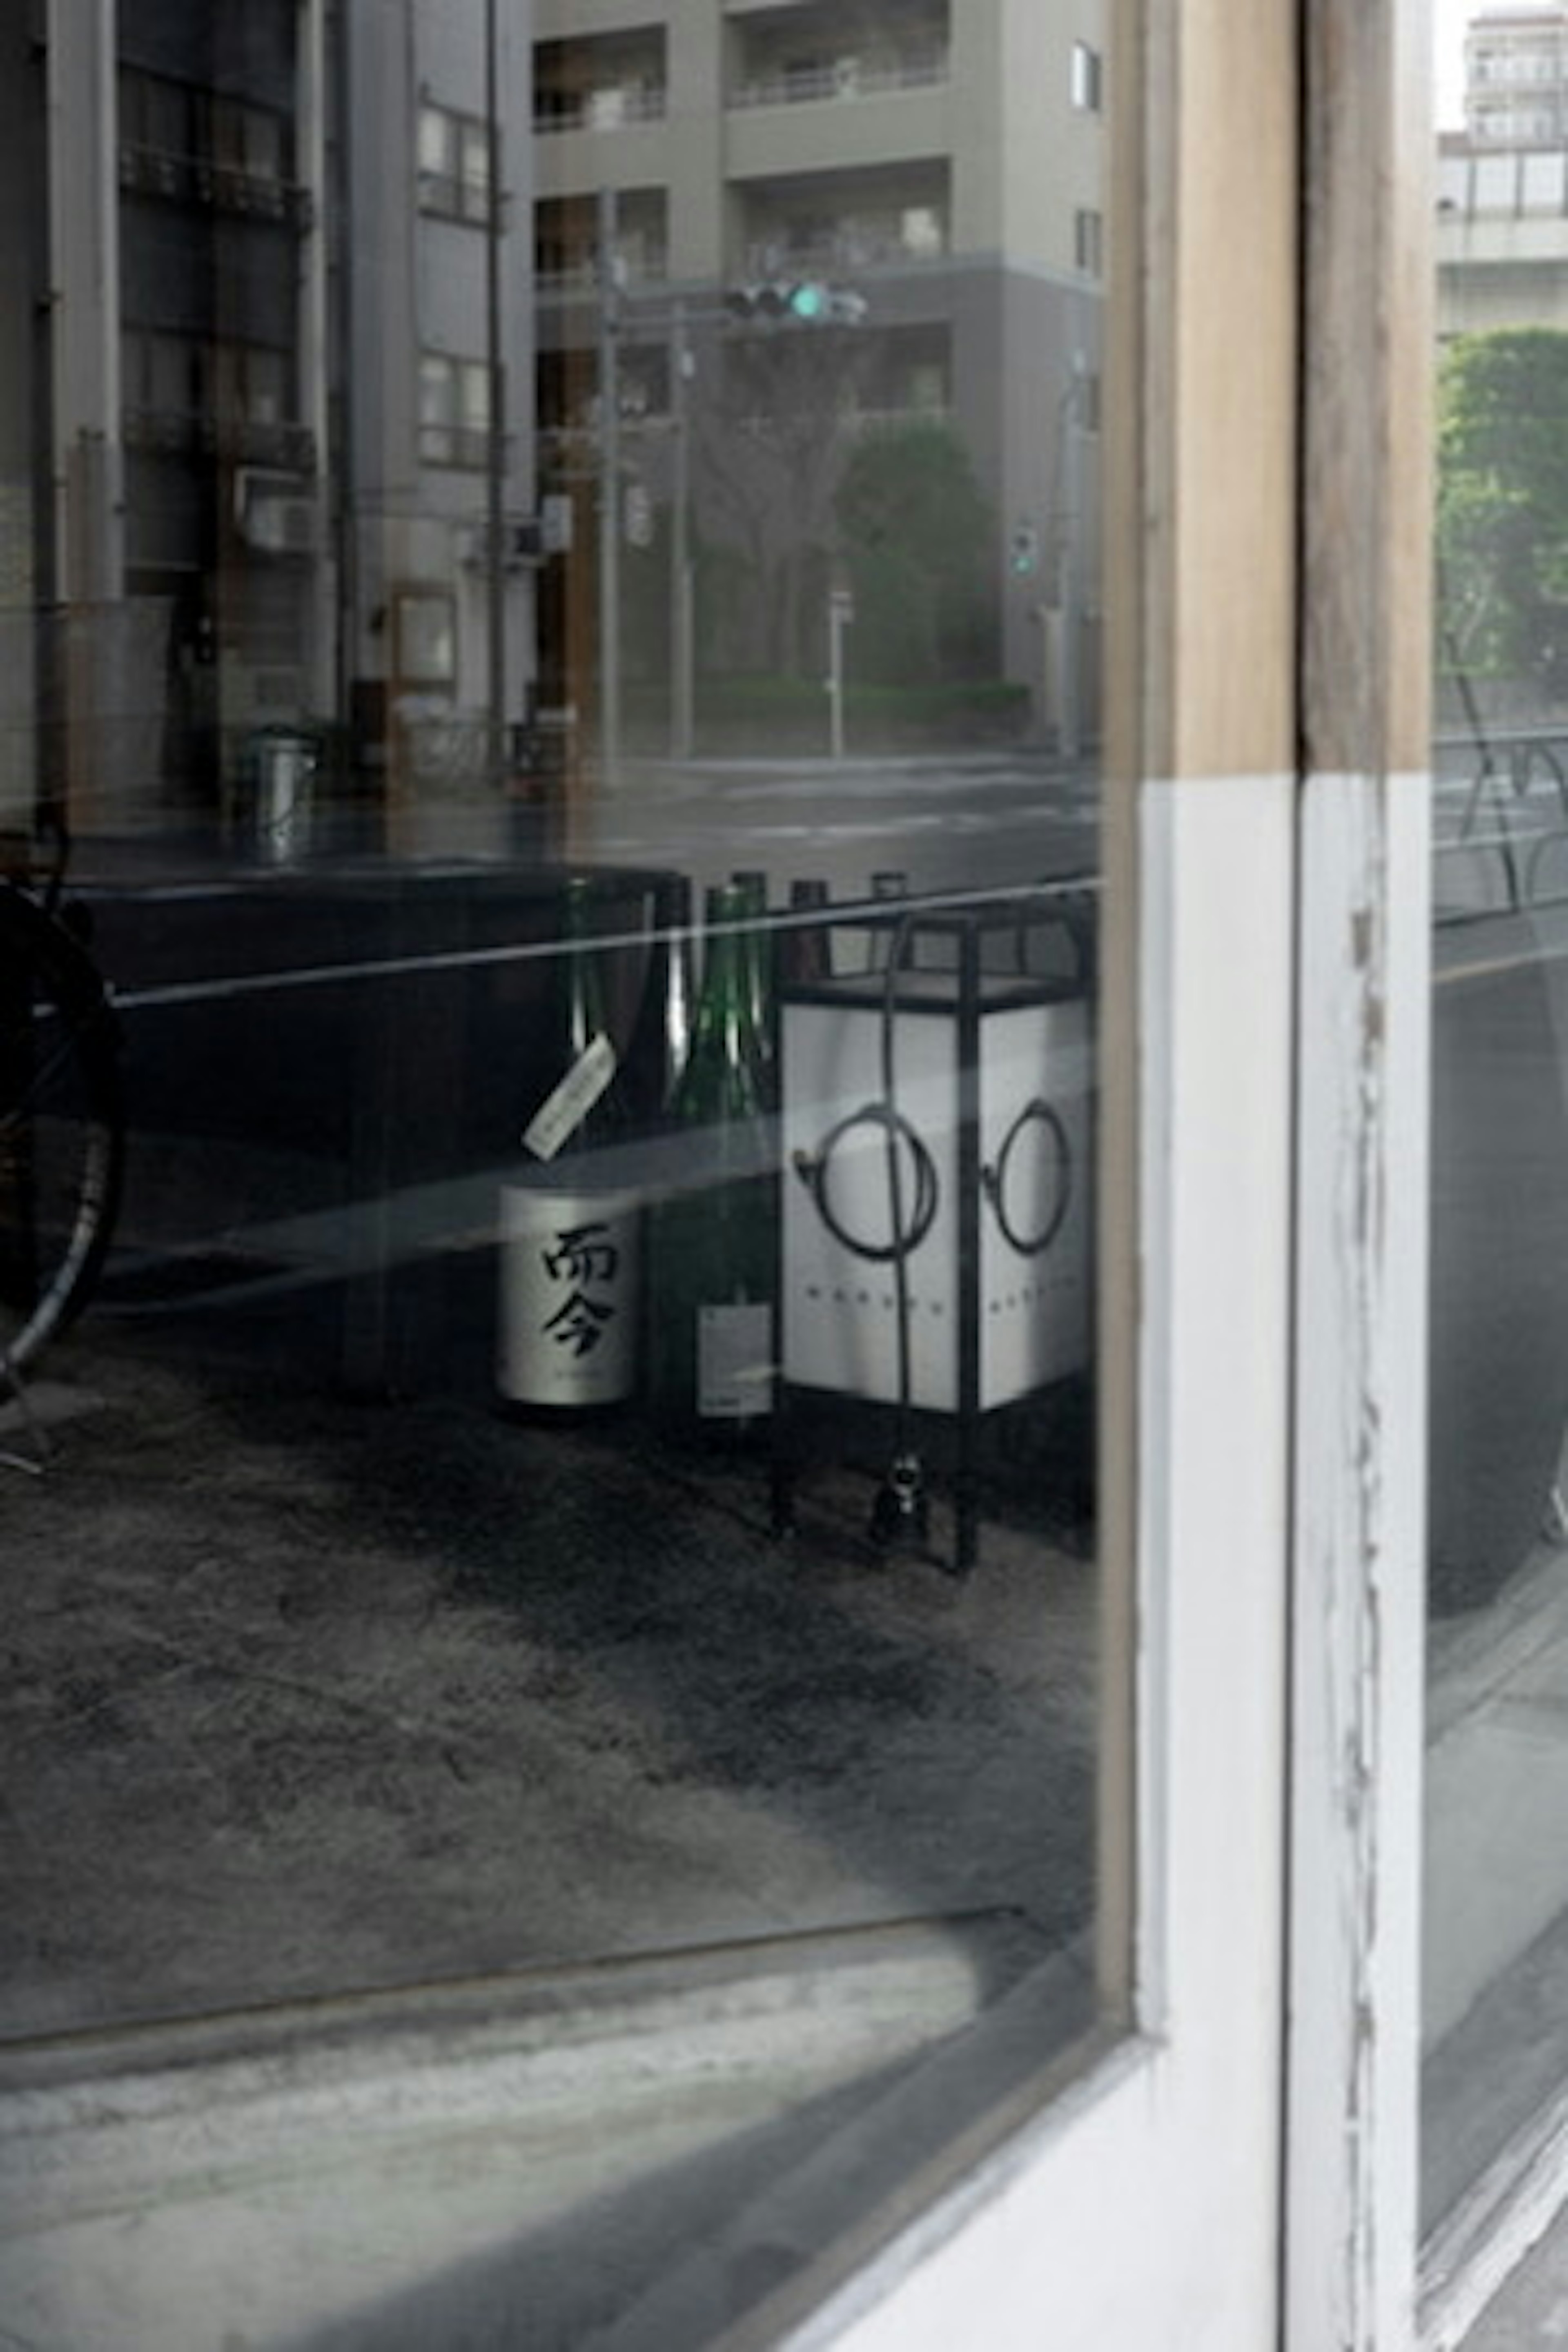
(910, 412)
(851, 249)
(763, 425)
(603, 109)
(178, 432)
(193, 180)
(450, 197)
(579, 273)
(1501, 184)
(849, 78)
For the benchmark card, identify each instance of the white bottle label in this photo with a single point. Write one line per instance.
(570, 1273)
(562, 1111)
(734, 1362)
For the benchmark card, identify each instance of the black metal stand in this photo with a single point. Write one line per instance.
(976, 945)
(36, 1460)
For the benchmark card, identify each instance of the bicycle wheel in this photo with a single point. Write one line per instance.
(61, 1130)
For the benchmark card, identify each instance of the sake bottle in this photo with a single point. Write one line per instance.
(660, 1043)
(757, 954)
(806, 953)
(713, 1238)
(570, 1236)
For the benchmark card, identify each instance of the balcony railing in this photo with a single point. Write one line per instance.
(193, 180)
(450, 197)
(1509, 184)
(848, 78)
(578, 273)
(603, 109)
(835, 256)
(177, 432)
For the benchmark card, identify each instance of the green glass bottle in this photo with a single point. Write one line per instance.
(757, 950)
(569, 1233)
(805, 950)
(714, 1243)
(661, 1039)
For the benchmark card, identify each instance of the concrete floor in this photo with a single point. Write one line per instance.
(311, 1697)
(314, 1695)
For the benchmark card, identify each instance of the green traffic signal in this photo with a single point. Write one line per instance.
(805, 302)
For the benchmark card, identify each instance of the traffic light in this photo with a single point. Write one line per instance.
(1024, 555)
(804, 301)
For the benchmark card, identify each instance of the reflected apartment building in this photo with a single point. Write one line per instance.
(286, 385)
(932, 177)
(290, 362)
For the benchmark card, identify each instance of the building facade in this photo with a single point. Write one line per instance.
(750, 148)
(255, 514)
(1516, 77)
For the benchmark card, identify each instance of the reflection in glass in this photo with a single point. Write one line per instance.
(520, 470)
(1496, 1956)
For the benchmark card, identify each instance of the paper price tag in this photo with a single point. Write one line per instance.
(562, 1111)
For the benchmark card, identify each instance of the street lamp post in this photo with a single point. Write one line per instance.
(609, 491)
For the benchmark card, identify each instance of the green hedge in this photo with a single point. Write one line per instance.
(756, 715)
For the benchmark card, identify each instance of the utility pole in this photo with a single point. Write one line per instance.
(840, 614)
(1069, 583)
(609, 491)
(681, 640)
(494, 570)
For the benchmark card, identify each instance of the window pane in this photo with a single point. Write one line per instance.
(437, 139)
(437, 390)
(595, 1368)
(476, 154)
(1496, 1958)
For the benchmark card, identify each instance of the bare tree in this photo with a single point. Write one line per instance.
(769, 442)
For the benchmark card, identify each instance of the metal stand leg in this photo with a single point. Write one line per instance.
(781, 1464)
(36, 1460)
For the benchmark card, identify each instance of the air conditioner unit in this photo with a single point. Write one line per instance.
(277, 513)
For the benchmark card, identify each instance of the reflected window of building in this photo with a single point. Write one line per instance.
(454, 163)
(1087, 78)
(454, 410)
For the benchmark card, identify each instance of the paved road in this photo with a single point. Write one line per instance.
(973, 822)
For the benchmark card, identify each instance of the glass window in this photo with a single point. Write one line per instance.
(1086, 77)
(438, 140)
(454, 410)
(1497, 182)
(454, 163)
(1496, 1950)
(590, 804)
(1542, 182)
(426, 638)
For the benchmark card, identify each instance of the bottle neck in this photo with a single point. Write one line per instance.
(723, 1076)
(582, 998)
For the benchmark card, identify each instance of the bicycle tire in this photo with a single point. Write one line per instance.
(62, 1130)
